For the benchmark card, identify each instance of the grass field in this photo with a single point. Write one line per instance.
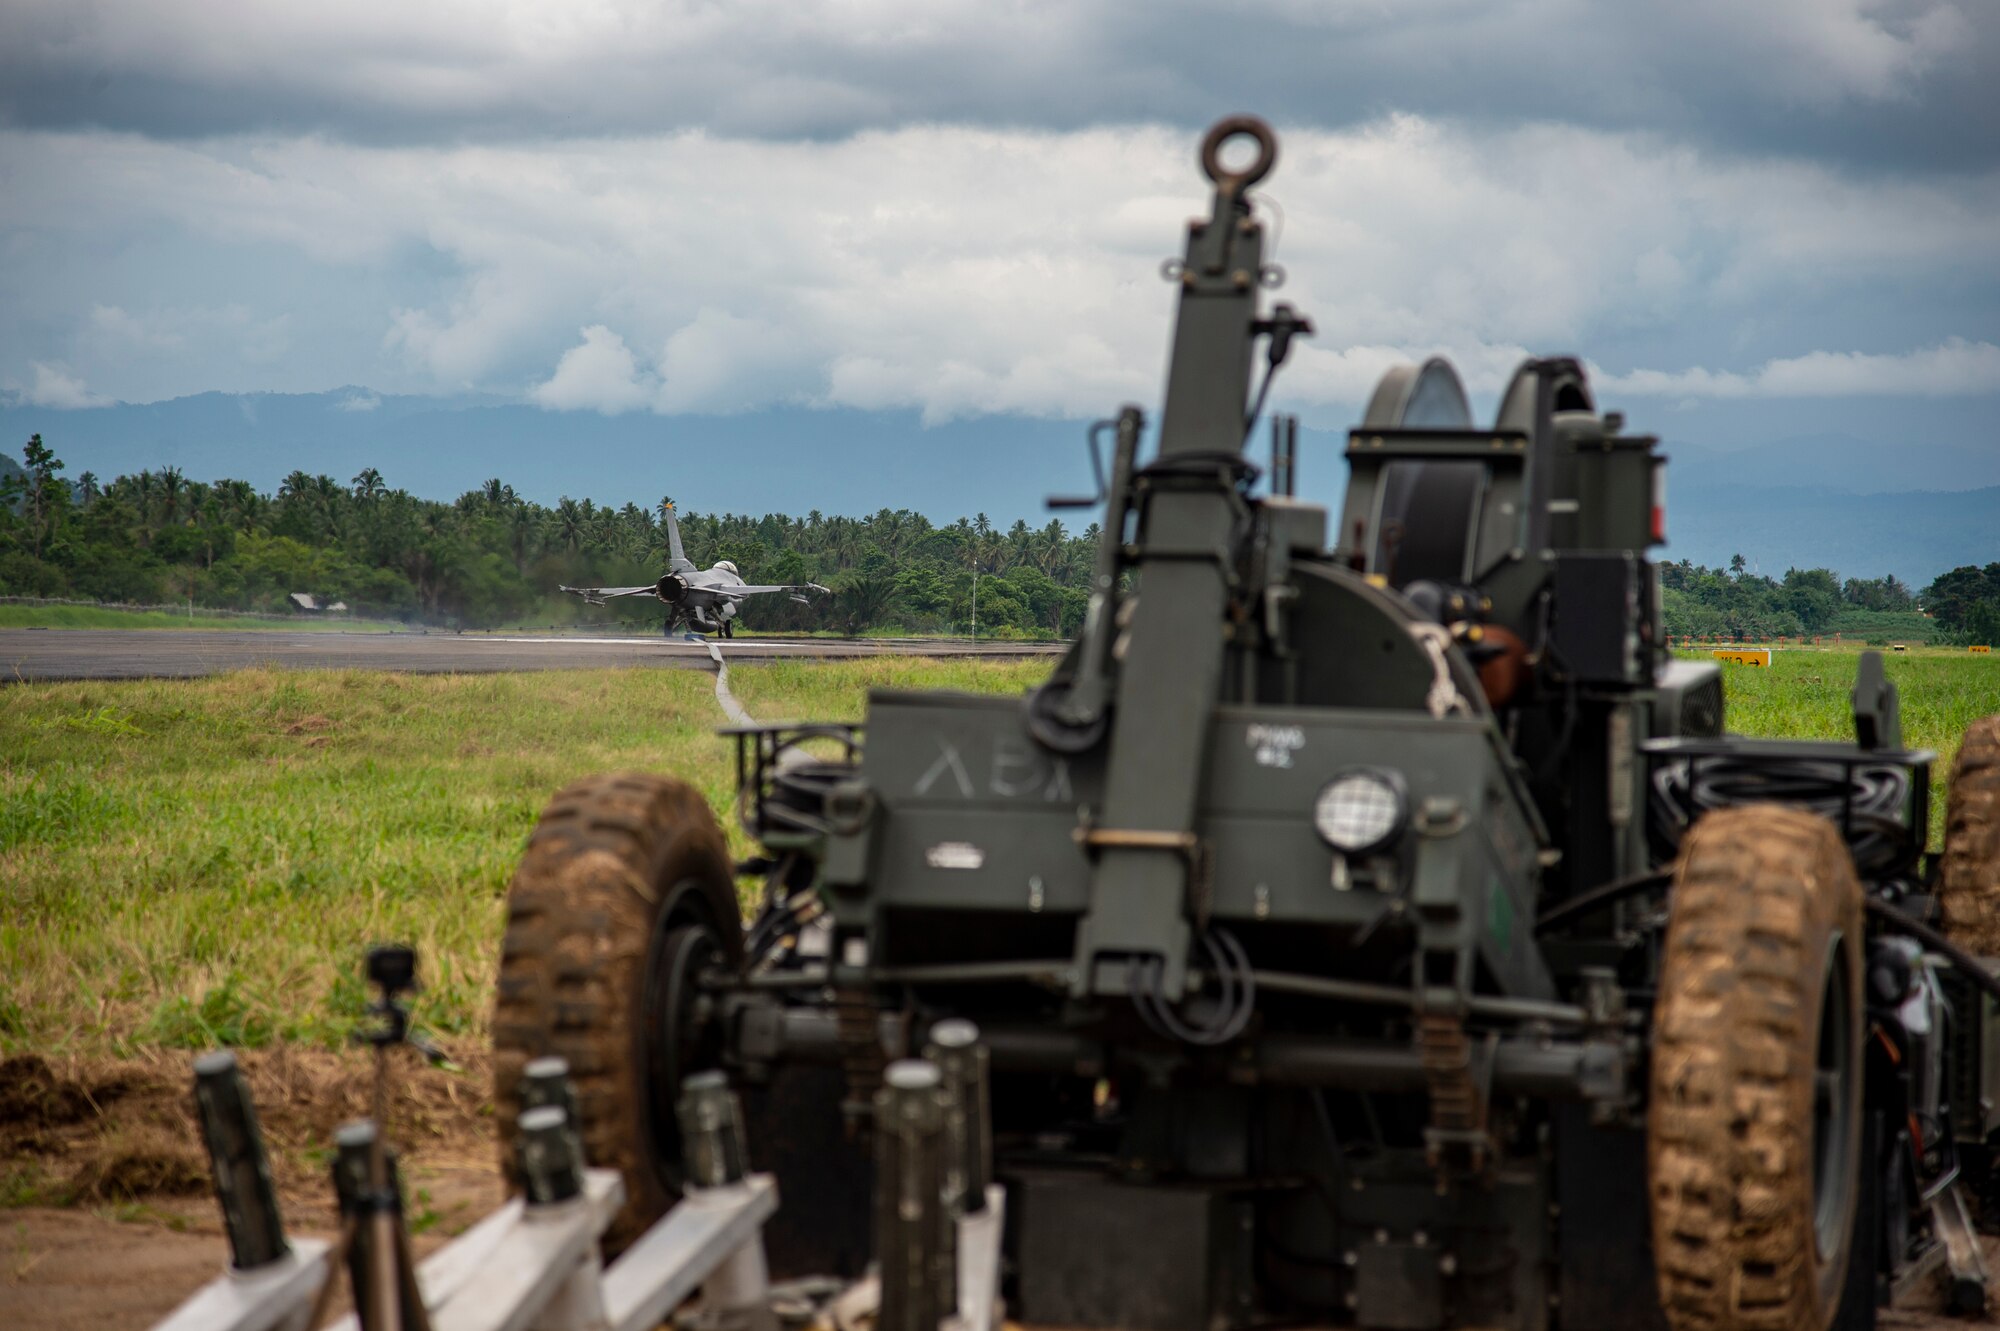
(1804, 694)
(191, 863)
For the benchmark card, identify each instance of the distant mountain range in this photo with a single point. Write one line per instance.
(1861, 507)
(1838, 462)
(1914, 534)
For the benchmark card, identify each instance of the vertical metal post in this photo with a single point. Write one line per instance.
(962, 1063)
(551, 1165)
(1291, 456)
(1277, 454)
(550, 1152)
(911, 1219)
(738, 1291)
(545, 1082)
(711, 1121)
(371, 1201)
(1284, 455)
(236, 1159)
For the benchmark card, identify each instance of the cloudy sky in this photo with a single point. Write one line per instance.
(1761, 219)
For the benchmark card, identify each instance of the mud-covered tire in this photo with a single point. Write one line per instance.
(1754, 1132)
(1969, 873)
(617, 872)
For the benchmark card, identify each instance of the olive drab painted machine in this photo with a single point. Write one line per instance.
(1369, 922)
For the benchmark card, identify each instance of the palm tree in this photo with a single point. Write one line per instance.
(605, 531)
(239, 502)
(522, 524)
(368, 486)
(567, 524)
(1049, 550)
(173, 496)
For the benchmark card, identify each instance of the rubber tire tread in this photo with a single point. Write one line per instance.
(1758, 891)
(609, 857)
(1969, 872)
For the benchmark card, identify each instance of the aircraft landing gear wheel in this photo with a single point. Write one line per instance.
(1754, 1138)
(625, 893)
(1969, 874)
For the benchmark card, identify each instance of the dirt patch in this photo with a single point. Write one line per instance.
(81, 1131)
(311, 725)
(134, 1167)
(77, 1269)
(33, 1096)
(112, 1267)
(123, 1224)
(304, 1094)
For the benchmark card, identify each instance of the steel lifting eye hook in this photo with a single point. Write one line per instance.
(1235, 182)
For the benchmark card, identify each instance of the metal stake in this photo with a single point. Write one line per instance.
(551, 1165)
(962, 1060)
(236, 1159)
(912, 1223)
(712, 1134)
(371, 1204)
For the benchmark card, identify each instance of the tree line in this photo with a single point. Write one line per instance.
(1736, 603)
(492, 558)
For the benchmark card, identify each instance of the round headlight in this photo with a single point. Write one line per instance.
(1359, 811)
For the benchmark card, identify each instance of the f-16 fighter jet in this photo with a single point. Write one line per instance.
(705, 600)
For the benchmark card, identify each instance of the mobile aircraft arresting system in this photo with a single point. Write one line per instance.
(1370, 924)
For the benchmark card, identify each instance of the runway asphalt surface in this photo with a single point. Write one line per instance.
(53, 654)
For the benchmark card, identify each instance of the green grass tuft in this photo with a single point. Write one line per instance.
(1805, 694)
(185, 863)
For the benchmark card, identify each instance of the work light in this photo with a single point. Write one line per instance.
(1360, 810)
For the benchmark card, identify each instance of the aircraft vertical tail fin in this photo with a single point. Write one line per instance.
(679, 556)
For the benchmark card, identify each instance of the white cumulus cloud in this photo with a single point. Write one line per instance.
(54, 386)
(598, 374)
(959, 271)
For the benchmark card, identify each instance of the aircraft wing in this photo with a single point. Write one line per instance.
(754, 591)
(598, 595)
